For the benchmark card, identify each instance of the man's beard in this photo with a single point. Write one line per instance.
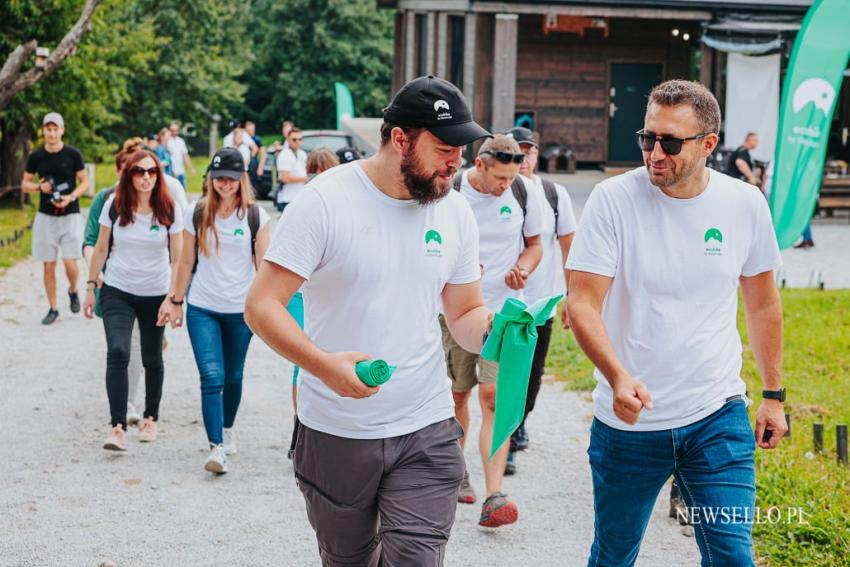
(675, 174)
(424, 188)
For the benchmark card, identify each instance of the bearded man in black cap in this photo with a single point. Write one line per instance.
(380, 246)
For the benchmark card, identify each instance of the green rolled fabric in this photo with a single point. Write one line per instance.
(374, 372)
(511, 343)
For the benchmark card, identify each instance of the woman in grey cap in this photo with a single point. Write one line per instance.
(224, 236)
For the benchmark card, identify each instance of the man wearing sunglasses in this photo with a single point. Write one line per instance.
(291, 169)
(381, 246)
(655, 269)
(509, 236)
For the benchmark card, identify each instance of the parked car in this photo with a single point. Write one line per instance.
(330, 139)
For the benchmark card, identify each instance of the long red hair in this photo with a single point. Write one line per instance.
(127, 200)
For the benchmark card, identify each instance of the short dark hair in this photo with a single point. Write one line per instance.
(411, 132)
(693, 94)
(295, 130)
(750, 135)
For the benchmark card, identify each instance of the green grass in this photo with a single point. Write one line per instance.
(816, 373)
(12, 219)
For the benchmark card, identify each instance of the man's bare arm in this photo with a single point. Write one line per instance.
(466, 315)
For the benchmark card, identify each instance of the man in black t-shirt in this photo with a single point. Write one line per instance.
(741, 163)
(62, 179)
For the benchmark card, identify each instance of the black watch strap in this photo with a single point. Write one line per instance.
(175, 302)
(774, 394)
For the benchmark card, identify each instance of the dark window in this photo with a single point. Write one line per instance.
(421, 44)
(457, 29)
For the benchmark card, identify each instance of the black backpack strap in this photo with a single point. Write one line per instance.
(552, 196)
(113, 216)
(457, 181)
(521, 195)
(254, 226)
(196, 222)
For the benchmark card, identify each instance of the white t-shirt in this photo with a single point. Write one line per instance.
(245, 150)
(222, 280)
(246, 139)
(376, 268)
(672, 306)
(178, 192)
(176, 146)
(548, 279)
(297, 167)
(139, 260)
(500, 228)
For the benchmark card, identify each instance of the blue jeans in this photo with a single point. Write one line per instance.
(807, 233)
(296, 309)
(220, 343)
(712, 461)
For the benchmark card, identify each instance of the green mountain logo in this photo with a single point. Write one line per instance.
(238, 232)
(506, 210)
(154, 228)
(713, 233)
(433, 236)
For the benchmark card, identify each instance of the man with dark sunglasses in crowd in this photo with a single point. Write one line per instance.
(510, 250)
(654, 275)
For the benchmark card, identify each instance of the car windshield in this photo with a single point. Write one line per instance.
(330, 142)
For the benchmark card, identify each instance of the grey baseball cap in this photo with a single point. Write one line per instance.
(53, 117)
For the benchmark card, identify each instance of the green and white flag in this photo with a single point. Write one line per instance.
(820, 55)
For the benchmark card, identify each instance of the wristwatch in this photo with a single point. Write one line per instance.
(774, 394)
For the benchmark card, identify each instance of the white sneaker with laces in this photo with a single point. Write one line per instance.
(133, 416)
(229, 441)
(216, 461)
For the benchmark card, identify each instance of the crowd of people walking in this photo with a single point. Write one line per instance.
(403, 257)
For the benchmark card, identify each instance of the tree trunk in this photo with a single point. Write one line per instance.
(14, 149)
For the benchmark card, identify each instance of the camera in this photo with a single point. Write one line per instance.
(58, 189)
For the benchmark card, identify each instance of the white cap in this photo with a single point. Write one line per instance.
(53, 117)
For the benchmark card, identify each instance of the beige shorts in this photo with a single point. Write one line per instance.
(466, 369)
(54, 235)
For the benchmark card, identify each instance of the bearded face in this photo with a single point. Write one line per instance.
(424, 185)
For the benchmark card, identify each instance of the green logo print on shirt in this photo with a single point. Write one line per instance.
(154, 228)
(433, 243)
(505, 211)
(713, 242)
(238, 232)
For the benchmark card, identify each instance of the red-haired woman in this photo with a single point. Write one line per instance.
(140, 227)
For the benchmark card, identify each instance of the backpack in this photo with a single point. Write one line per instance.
(551, 196)
(517, 188)
(253, 225)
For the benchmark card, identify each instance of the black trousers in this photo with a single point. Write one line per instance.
(120, 310)
(538, 363)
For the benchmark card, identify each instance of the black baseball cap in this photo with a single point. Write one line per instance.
(227, 162)
(522, 135)
(439, 107)
(348, 154)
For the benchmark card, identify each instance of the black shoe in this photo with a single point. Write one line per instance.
(519, 439)
(75, 301)
(51, 316)
(510, 465)
(805, 244)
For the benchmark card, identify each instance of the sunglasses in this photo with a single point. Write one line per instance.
(671, 146)
(297, 139)
(505, 157)
(137, 171)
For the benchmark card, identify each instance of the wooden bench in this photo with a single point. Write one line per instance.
(834, 195)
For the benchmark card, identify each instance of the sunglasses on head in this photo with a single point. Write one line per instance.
(505, 157)
(671, 146)
(140, 171)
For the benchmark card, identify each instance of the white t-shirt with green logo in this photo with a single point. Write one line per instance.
(375, 269)
(500, 228)
(139, 260)
(672, 306)
(223, 279)
(548, 279)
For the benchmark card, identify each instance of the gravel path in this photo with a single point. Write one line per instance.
(65, 501)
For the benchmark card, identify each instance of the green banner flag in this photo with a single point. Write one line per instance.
(511, 343)
(344, 103)
(813, 79)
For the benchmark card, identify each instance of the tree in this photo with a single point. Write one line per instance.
(306, 45)
(12, 77)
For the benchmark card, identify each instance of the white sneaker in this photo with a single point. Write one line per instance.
(216, 461)
(133, 417)
(229, 441)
